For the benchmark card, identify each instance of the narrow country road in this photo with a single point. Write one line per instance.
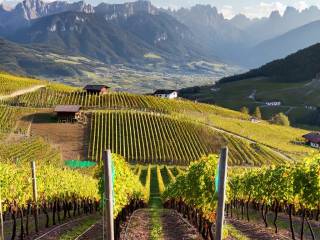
(22, 92)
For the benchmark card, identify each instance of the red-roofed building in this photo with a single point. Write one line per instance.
(313, 139)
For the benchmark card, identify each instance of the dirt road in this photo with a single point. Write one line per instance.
(22, 92)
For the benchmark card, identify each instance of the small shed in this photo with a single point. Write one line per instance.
(313, 139)
(163, 93)
(67, 113)
(96, 89)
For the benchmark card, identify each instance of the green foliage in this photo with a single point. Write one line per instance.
(271, 135)
(287, 184)
(57, 94)
(170, 174)
(52, 183)
(31, 149)
(160, 180)
(8, 118)
(197, 186)
(126, 186)
(280, 119)
(147, 185)
(298, 67)
(257, 113)
(245, 110)
(160, 139)
(10, 83)
(148, 138)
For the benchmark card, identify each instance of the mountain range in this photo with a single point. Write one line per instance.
(126, 33)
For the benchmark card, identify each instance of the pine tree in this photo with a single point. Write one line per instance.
(280, 119)
(257, 113)
(244, 110)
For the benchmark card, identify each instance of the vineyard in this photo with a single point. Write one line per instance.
(8, 118)
(74, 194)
(10, 83)
(56, 95)
(278, 137)
(172, 146)
(25, 151)
(293, 190)
(154, 138)
(290, 190)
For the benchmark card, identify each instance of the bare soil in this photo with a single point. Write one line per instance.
(175, 228)
(139, 226)
(70, 138)
(257, 231)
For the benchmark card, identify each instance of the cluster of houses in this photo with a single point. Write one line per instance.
(68, 113)
(312, 139)
(274, 103)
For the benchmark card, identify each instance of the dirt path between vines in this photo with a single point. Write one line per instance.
(22, 92)
(175, 227)
(54, 232)
(138, 227)
(256, 231)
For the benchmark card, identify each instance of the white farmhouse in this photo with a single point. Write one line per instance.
(170, 94)
(273, 103)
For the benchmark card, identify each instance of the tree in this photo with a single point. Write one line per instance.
(280, 119)
(257, 113)
(244, 110)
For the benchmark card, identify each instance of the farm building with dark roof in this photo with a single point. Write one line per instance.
(313, 139)
(96, 89)
(67, 113)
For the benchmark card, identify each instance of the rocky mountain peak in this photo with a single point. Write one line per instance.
(113, 11)
(290, 12)
(275, 15)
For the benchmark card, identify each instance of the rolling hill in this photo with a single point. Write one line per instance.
(293, 80)
(200, 119)
(32, 61)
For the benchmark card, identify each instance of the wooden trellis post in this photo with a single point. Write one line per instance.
(222, 178)
(1, 217)
(35, 194)
(108, 197)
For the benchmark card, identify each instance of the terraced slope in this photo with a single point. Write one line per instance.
(56, 95)
(160, 139)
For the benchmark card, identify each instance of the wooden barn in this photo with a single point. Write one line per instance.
(313, 139)
(67, 113)
(96, 89)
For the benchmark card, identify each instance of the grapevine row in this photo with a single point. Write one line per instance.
(65, 190)
(10, 83)
(154, 138)
(52, 96)
(146, 138)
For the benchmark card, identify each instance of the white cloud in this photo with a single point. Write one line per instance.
(263, 9)
(301, 5)
(227, 11)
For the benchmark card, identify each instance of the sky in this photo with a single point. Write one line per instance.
(229, 8)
